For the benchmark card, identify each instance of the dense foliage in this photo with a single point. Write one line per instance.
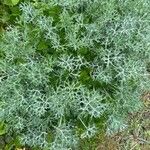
(71, 67)
(8, 12)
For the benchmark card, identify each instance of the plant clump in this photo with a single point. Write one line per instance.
(69, 68)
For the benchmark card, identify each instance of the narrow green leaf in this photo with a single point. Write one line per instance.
(2, 128)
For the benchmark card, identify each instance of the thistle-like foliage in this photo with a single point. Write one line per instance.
(67, 64)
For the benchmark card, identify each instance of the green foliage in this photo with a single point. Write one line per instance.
(69, 68)
(9, 11)
(11, 2)
(2, 128)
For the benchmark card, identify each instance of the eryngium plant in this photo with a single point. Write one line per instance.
(67, 67)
